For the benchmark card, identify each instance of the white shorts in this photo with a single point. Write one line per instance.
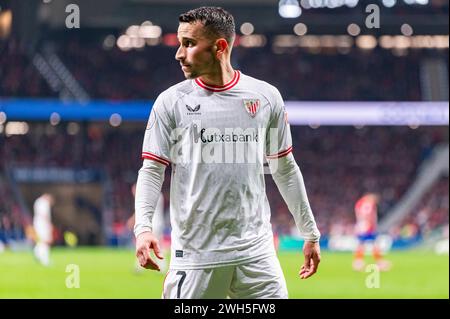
(258, 279)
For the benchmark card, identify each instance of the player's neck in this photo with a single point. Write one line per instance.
(220, 77)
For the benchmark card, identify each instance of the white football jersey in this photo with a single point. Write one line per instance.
(42, 219)
(216, 138)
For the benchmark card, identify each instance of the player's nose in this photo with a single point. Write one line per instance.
(180, 55)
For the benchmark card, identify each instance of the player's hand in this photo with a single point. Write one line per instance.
(311, 251)
(144, 243)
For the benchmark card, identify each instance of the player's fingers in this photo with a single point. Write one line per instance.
(157, 249)
(143, 254)
(145, 260)
(311, 271)
(303, 271)
(151, 264)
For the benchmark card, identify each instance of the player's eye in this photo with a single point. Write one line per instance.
(188, 43)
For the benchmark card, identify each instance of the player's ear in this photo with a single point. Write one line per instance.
(220, 46)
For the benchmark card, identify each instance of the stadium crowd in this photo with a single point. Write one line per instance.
(376, 75)
(339, 164)
(12, 221)
(429, 215)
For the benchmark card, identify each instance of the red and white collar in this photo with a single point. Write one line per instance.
(219, 88)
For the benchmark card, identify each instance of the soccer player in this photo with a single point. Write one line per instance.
(42, 225)
(215, 128)
(366, 231)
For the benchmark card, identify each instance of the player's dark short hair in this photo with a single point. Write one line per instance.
(216, 20)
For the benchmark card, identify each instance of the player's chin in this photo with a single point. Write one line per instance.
(189, 75)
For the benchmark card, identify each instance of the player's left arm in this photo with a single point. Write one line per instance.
(289, 180)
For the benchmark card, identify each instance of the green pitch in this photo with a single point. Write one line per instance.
(109, 273)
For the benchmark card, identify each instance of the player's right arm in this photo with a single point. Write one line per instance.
(156, 155)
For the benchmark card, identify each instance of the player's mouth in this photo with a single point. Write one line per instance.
(185, 66)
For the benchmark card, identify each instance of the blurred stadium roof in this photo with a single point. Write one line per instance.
(429, 18)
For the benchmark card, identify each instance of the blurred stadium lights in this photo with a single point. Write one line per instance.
(6, 18)
(149, 31)
(331, 4)
(132, 31)
(353, 29)
(144, 31)
(363, 41)
(366, 42)
(247, 28)
(351, 3)
(289, 9)
(137, 37)
(253, 41)
(300, 29)
(389, 3)
(406, 30)
(16, 128)
(115, 120)
(313, 41)
(124, 42)
(420, 2)
(55, 118)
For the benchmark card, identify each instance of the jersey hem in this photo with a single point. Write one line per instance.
(222, 263)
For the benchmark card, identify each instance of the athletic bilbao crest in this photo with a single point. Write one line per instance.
(252, 106)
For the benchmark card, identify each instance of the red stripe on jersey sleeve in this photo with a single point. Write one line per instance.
(280, 154)
(156, 158)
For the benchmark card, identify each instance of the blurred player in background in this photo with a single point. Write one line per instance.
(222, 240)
(43, 228)
(158, 229)
(366, 214)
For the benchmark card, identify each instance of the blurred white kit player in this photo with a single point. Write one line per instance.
(43, 227)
